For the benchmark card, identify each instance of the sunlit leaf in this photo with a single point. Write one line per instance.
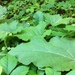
(21, 70)
(44, 54)
(8, 63)
(50, 71)
(56, 20)
(0, 70)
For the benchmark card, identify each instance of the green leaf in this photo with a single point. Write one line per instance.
(32, 72)
(47, 32)
(31, 32)
(3, 35)
(3, 10)
(44, 54)
(8, 63)
(64, 21)
(21, 70)
(12, 27)
(56, 20)
(39, 72)
(52, 19)
(38, 16)
(50, 71)
(70, 27)
(58, 33)
(0, 70)
(71, 72)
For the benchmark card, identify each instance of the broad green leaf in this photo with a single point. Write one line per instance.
(71, 72)
(3, 35)
(8, 63)
(15, 27)
(50, 71)
(70, 27)
(21, 70)
(31, 32)
(0, 70)
(44, 54)
(64, 21)
(3, 10)
(38, 16)
(58, 33)
(12, 27)
(56, 20)
(52, 19)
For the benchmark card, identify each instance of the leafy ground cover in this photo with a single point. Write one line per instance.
(37, 37)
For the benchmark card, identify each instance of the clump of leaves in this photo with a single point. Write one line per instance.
(37, 37)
